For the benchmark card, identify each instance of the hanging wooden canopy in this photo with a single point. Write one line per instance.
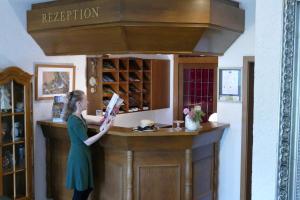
(73, 27)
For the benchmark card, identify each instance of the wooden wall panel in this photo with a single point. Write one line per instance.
(163, 180)
(113, 182)
(58, 167)
(160, 84)
(94, 99)
(204, 172)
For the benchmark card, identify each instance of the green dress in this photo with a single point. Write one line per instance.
(79, 166)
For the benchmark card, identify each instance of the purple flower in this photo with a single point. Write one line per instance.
(186, 111)
(192, 114)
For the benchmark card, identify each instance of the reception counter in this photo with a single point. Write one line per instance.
(161, 165)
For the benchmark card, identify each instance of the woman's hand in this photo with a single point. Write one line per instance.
(101, 121)
(107, 126)
(115, 111)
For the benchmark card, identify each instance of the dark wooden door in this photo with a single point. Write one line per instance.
(198, 85)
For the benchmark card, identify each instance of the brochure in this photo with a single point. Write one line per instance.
(58, 108)
(112, 110)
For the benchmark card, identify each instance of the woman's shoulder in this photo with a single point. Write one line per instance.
(72, 118)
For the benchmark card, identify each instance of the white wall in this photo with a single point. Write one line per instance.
(230, 149)
(17, 48)
(268, 45)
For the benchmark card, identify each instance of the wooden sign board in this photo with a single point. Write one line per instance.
(76, 14)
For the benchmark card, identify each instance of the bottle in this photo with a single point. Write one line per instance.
(21, 155)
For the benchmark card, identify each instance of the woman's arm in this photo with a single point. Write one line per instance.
(96, 137)
(95, 121)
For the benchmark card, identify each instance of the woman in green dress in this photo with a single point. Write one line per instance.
(79, 165)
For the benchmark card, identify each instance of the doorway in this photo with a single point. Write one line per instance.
(247, 127)
(195, 83)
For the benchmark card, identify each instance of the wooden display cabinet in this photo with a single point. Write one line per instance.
(144, 84)
(16, 134)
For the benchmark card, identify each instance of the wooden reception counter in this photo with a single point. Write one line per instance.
(162, 165)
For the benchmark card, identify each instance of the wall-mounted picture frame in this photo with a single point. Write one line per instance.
(53, 80)
(230, 84)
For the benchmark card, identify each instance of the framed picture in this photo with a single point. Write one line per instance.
(53, 80)
(230, 84)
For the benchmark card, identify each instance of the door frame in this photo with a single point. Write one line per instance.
(247, 120)
(186, 59)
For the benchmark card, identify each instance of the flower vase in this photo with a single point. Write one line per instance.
(191, 125)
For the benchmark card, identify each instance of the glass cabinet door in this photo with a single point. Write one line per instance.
(19, 140)
(7, 151)
(13, 142)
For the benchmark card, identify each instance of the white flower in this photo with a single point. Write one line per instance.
(198, 108)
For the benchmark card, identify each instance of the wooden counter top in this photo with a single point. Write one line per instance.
(127, 132)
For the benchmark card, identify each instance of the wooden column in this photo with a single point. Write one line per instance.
(216, 170)
(188, 174)
(129, 175)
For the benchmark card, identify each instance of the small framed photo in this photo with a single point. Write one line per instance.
(53, 80)
(230, 84)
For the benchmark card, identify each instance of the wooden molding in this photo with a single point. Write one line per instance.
(129, 175)
(245, 194)
(188, 175)
(175, 88)
(202, 60)
(15, 73)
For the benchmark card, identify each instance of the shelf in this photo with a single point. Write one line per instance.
(135, 81)
(110, 70)
(19, 142)
(107, 95)
(8, 173)
(6, 114)
(12, 114)
(11, 143)
(131, 93)
(20, 198)
(7, 144)
(21, 169)
(110, 83)
(140, 110)
(143, 74)
(135, 70)
(19, 113)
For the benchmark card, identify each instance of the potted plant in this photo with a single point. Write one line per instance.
(193, 117)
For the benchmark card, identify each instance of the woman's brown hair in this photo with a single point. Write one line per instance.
(70, 104)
